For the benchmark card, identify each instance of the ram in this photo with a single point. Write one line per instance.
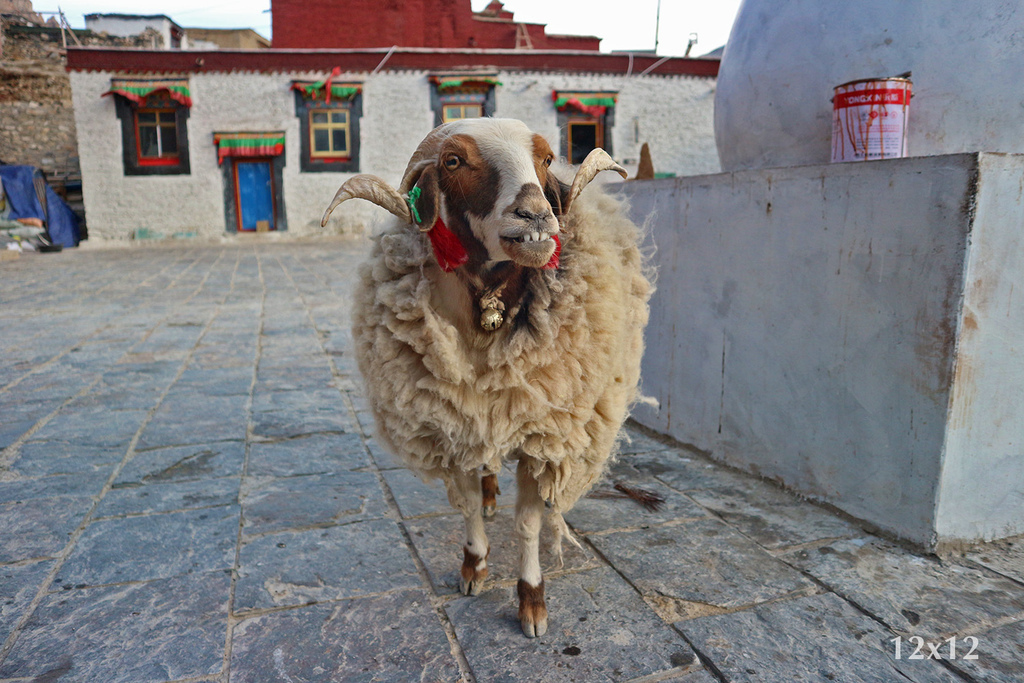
(500, 317)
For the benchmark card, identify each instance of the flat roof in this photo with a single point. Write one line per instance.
(369, 59)
(115, 15)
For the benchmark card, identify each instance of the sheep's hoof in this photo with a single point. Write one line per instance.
(490, 510)
(473, 573)
(533, 613)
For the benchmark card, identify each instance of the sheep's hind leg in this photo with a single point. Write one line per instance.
(533, 613)
(464, 493)
(489, 484)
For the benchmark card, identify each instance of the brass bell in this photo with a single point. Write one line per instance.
(491, 319)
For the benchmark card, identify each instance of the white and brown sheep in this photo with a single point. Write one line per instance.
(500, 317)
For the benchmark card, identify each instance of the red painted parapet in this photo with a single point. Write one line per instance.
(174, 61)
(326, 24)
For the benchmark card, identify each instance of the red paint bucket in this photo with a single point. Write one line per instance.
(869, 119)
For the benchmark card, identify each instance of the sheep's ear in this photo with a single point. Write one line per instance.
(556, 192)
(425, 199)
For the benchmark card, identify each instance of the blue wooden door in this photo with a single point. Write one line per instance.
(255, 187)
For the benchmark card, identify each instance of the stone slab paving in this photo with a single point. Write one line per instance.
(190, 491)
(819, 637)
(914, 595)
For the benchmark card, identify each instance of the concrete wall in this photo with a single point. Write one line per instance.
(811, 325)
(396, 116)
(982, 491)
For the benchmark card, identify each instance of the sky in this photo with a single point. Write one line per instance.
(711, 21)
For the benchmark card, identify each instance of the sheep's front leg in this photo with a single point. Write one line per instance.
(464, 493)
(533, 613)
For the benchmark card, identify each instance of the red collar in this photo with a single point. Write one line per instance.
(450, 253)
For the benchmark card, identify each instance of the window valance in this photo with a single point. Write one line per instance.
(595, 104)
(137, 90)
(327, 89)
(453, 83)
(267, 144)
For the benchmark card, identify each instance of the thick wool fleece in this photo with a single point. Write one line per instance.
(555, 382)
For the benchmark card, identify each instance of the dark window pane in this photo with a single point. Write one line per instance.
(166, 117)
(339, 117)
(319, 117)
(169, 139)
(147, 141)
(582, 141)
(147, 117)
(321, 141)
(340, 144)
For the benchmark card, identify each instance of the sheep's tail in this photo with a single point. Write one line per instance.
(561, 530)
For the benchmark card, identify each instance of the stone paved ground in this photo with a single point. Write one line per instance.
(189, 491)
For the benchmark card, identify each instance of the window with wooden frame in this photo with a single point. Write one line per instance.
(330, 135)
(154, 125)
(457, 96)
(585, 119)
(585, 134)
(329, 114)
(455, 112)
(156, 137)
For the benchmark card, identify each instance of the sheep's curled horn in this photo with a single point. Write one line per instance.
(377, 190)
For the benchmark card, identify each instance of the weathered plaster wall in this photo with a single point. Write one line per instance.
(117, 204)
(673, 114)
(805, 328)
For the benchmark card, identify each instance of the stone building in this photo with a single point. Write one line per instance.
(217, 142)
(37, 125)
(165, 32)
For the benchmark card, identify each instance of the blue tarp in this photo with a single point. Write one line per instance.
(23, 202)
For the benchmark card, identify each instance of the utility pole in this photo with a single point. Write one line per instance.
(657, 27)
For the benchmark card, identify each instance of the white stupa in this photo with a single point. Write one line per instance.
(783, 58)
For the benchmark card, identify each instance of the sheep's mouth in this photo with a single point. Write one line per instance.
(532, 249)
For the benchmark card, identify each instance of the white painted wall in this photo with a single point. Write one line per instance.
(811, 325)
(673, 114)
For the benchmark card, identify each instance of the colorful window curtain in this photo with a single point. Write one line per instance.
(248, 145)
(327, 89)
(595, 104)
(137, 90)
(452, 83)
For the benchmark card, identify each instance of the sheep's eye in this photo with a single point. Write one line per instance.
(548, 160)
(452, 163)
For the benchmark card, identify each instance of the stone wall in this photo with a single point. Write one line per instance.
(37, 124)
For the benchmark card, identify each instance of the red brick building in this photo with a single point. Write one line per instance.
(305, 24)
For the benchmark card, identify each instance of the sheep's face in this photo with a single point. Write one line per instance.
(493, 178)
(490, 181)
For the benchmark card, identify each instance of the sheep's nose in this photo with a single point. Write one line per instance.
(527, 215)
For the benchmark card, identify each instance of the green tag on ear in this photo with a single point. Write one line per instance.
(411, 199)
